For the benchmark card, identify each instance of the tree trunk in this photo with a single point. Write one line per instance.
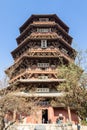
(2, 124)
(14, 115)
(69, 114)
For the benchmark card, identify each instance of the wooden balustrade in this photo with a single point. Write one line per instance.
(36, 71)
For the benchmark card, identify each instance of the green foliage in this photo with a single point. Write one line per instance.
(75, 93)
(71, 74)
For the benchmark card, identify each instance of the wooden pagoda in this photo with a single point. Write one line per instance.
(43, 41)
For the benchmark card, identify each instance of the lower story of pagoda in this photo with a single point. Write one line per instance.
(45, 115)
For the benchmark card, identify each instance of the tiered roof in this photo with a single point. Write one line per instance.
(29, 33)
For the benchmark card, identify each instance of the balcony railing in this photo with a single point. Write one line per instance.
(35, 71)
(31, 52)
(52, 94)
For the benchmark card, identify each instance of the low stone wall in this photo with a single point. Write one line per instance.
(40, 127)
(81, 128)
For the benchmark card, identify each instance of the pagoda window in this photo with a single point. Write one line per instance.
(43, 103)
(43, 65)
(43, 77)
(43, 19)
(42, 90)
(43, 43)
(43, 29)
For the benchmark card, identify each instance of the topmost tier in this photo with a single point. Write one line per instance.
(42, 18)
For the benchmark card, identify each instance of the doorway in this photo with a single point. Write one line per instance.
(44, 115)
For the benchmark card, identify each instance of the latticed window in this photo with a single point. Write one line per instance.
(43, 77)
(43, 65)
(42, 90)
(43, 30)
(43, 19)
(43, 43)
(43, 103)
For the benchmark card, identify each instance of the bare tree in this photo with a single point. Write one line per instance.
(18, 105)
(4, 82)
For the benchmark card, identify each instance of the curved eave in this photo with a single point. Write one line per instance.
(51, 36)
(23, 27)
(34, 36)
(27, 56)
(69, 46)
(66, 28)
(45, 24)
(23, 57)
(46, 57)
(7, 71)
(25, 23)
